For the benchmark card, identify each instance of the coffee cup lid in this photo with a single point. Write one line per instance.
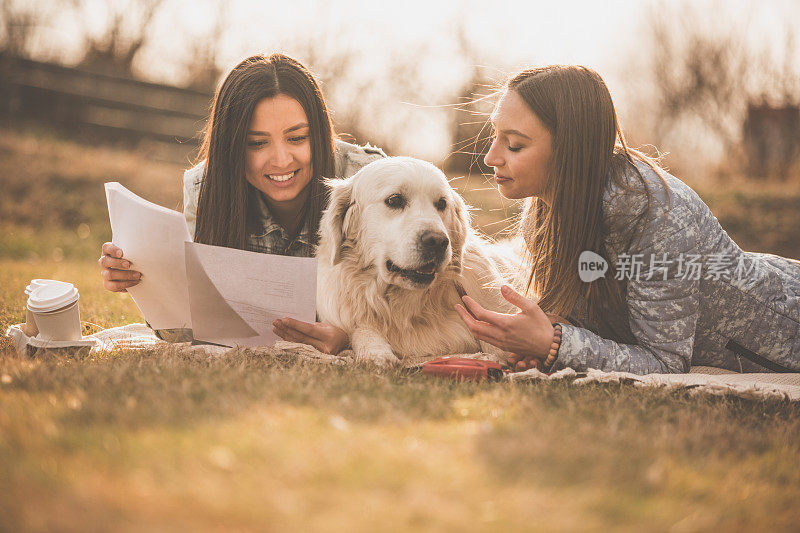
(40, 282)
(51, 297)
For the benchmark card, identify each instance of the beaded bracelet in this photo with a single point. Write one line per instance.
(552, 355)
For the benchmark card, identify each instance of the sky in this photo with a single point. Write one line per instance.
(610, 36)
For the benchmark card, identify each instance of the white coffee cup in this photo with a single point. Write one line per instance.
(29, 328)
(55, 311)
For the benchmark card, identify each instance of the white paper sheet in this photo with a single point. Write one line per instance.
(152, 238)
(235, 295)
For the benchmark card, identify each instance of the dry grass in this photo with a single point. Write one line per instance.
(164, 438)
(167, 440)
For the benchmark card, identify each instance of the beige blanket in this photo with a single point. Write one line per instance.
(699, 379)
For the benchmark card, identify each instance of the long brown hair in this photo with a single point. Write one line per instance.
(588, 150)
(227, 207)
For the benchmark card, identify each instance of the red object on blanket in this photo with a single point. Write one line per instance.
(462, 368)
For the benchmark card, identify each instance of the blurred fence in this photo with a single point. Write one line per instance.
(99, 107)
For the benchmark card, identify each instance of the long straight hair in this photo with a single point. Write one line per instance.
(588, 150)
(227, 207)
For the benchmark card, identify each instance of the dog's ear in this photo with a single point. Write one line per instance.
(459, 230)
(335, 221)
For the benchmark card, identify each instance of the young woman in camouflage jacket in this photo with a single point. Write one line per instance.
(646, 276)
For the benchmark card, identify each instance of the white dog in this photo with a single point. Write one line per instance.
(396, 243)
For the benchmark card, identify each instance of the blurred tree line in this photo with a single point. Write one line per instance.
(699, 76)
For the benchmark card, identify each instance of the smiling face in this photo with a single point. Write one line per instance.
(278, 151)
(521, 151)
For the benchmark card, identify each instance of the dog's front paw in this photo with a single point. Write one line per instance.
(370, 346)
(377, 356)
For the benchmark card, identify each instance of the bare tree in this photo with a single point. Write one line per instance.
(697, 75)
(127, 31)
(18, 21)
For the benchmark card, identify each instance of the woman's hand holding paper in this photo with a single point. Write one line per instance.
(116, 270)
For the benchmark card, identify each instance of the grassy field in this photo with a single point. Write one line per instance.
(167, 440)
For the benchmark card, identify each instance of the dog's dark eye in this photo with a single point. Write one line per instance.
(395, 201)
(441, 204)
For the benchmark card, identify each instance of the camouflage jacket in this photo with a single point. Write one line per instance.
(693, 296)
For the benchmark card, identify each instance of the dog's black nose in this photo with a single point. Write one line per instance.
(433, 243)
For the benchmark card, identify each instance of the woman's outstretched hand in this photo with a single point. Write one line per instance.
(527, 334)
(116, 270)
(324, 337)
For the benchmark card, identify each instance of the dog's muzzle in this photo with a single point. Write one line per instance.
(431, 251)
(432, 246)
